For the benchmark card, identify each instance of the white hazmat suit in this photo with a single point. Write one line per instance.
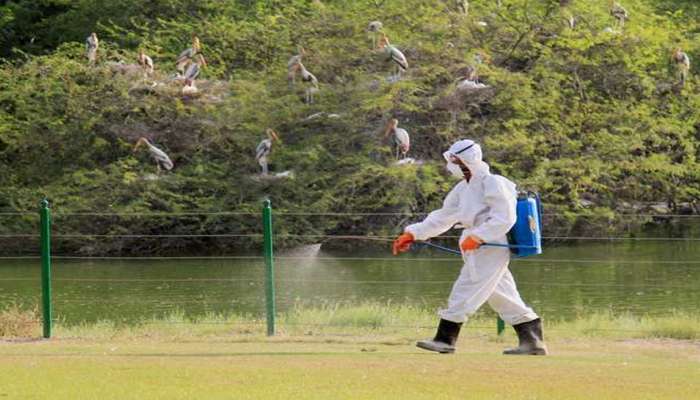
(485, 208)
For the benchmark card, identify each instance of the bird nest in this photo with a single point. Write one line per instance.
(458, 99)
(208, 91)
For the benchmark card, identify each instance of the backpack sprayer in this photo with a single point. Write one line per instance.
(525, 237)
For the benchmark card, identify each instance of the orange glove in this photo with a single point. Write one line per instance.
(471, 243)
(403, 243)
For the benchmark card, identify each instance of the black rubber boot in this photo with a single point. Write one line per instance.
(445, 338)
(531, 341)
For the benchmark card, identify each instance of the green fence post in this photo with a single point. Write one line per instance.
(500, 326)
(269, 268)
(45, 216)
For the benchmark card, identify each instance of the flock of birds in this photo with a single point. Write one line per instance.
(191, 61)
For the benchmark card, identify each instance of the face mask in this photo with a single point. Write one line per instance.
(455, 170)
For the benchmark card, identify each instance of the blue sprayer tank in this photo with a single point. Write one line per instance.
(525, 237)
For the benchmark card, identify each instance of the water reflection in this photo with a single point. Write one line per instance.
(640, 278)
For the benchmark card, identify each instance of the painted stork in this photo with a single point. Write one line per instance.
(192, 73)
(570, 20)
(264, 148)
(292, 69)
(401, 138)
(146, 63)
(374, 28)
(92, 44)
(310, 80)
(395, 55)
(619, 13)
(162, 159)
(186, 57)
(682, 61)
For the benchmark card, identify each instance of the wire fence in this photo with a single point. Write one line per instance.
(340, 237)
(260, 325)
(398, 260)
(218, 301)
(346, 282)
(60, 214)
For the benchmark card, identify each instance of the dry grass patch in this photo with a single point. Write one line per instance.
(16, 321)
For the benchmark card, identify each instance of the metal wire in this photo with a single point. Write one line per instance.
(132, 236)
(131, 280)
(339, 237)
(338, 281)
(329, 236)
(144, 302)
(158, 258)
(399, 259)
(293, 213)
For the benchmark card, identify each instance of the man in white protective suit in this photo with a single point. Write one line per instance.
(484, 205)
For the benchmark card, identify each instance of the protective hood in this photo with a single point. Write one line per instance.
(469, 152)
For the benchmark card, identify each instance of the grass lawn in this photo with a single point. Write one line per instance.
(240, 366)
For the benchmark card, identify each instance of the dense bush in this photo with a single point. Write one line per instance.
(594, 120)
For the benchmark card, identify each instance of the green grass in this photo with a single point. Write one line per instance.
(374, 319)
(350, 352)
(226, 367)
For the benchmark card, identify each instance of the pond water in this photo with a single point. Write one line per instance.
(637, 277)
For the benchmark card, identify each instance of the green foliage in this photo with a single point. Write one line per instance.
(594, 121)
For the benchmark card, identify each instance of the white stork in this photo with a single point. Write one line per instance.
(619, 13)
(292, 68)
(374, 28)
(401, 138)
(264, 148)
(682, 61)
(158, 155)
(310, 80)
(395, 55)
(192, 73)
(146, 63)
(92, 44)
(184, 59)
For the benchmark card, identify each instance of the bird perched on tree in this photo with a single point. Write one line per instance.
(619, 13)
(292, 68)
(374, 28)
(186, 57)
(162, 159)
(682, 62)
(567, 14)
(394, 54)
(401, 138)
(92, 44)
(192, 73)
(570, 20)
(264, 148)
(309, 79)
(146, 63)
